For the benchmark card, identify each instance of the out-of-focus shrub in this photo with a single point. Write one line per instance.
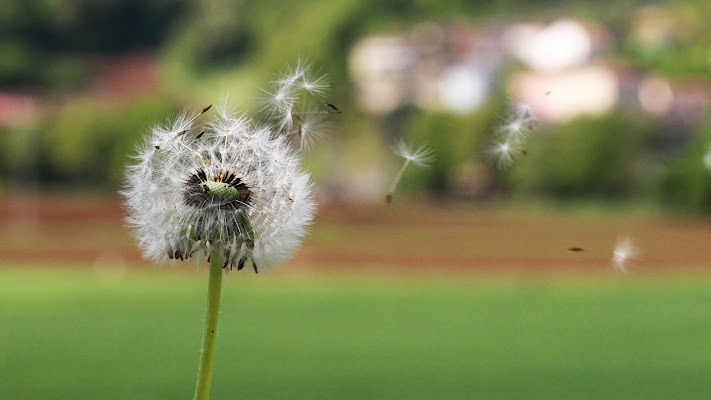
(52, 43)
(88, 143)
(585, 158)
(217, 37)
(457, 141)
(686, 184)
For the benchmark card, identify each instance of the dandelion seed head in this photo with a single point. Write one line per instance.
(625, 251)
(421, 156)
(228, 186)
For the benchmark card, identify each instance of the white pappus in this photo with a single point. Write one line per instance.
(420, 156)
(624, 252)
(292, 103)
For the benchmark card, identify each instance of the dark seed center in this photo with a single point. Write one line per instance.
(224, 190)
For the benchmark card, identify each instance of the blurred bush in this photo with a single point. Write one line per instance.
(87, 143)
(585, 158)
(686, 184)
(457, 141)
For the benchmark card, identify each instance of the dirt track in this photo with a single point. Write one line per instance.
(59, 230)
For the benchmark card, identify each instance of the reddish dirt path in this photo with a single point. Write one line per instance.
(86, 231)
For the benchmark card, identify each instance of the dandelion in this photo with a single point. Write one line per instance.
(229, 190)
(625, 251)
(421, 156)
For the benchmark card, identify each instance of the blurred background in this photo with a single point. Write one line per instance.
(477, 282)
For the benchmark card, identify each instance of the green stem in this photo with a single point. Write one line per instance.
(209, 337)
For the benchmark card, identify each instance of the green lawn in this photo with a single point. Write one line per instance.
(71, 334)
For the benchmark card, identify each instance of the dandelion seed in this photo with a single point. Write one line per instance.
(312, 128)
(503, 153)
(513, 132)
(317, 86)
(421, 156)
(522, 111)
(288, 104)
(292, 74)
(625, 251)
(278, 101)
(518, 123)
(514, 129)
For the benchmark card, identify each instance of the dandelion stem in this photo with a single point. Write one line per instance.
(209, 338)
(391, 189)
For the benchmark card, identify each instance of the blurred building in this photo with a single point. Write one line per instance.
(567, 69)
(431, 66)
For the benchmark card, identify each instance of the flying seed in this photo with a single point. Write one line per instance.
(576, 249)
(334, 108)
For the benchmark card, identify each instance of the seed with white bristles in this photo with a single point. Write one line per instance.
(625, 251)
(420, 156)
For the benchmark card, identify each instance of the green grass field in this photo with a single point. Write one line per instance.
(74, 334)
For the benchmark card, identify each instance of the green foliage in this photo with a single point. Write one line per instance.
(687, 182)
(456, 140)
(88, 143)
(584, 158)
(684, 39)
(42, 41)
